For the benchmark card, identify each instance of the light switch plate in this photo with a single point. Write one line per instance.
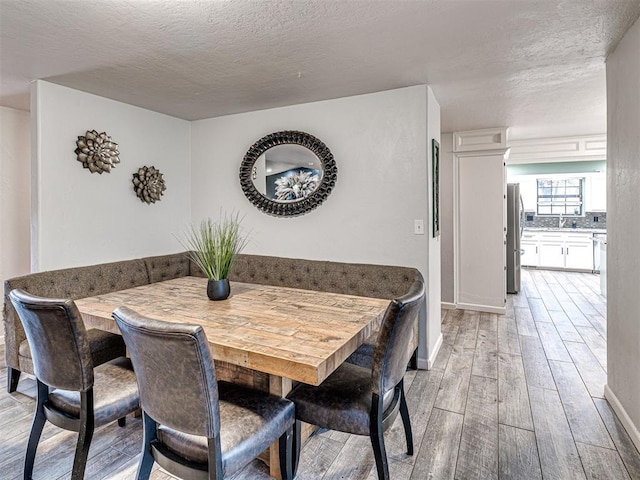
(418, 227)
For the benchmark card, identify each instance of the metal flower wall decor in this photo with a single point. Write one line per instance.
(97, 152)
(148, 184)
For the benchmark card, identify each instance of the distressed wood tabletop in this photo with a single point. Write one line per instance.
(301, 335)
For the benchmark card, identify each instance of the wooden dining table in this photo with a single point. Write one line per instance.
(263, 336)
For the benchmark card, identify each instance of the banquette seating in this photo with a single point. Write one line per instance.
(380, 281)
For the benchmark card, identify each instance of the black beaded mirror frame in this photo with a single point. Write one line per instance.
(289, 208)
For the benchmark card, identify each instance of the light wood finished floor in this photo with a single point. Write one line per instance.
(517, 396)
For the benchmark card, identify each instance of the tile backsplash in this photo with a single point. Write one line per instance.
(551, 221)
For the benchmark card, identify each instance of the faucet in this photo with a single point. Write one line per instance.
(561, 221)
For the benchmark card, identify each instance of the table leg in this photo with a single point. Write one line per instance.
(277, 386)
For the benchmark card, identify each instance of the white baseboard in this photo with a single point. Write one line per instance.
(631, 429)
(427, 364)
(482, 308)
(448, 306)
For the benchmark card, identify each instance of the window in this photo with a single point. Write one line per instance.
(560, 197)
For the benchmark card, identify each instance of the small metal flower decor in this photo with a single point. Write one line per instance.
(97, 152)
(148, 184)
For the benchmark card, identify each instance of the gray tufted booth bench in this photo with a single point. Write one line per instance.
(380, 281)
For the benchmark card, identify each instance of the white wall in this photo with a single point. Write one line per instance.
(446, 222)
(379, 142)
(81, 218)
(434, 330)
(14, 194)
(623, 231)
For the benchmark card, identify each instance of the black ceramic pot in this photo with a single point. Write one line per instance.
(218, 289)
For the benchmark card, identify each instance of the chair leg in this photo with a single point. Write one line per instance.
(285, 446)
(295, 460)
(85, 434)
(377, 438)
(413, 362)
(146, 459)
(406, 421)
(36, 429)
(215, 458)
(13, 376)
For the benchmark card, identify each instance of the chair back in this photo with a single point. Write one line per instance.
(58, 340)
(175, 372)
(394, 346)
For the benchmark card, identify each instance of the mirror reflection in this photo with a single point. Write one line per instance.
(287, 173)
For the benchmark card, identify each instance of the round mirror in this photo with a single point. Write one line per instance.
(288, 173)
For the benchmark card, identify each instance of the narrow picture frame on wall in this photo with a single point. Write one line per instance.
(435, 186)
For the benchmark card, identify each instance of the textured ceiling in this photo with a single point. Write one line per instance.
(536, 66)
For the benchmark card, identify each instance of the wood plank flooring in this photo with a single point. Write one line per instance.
(515, 396)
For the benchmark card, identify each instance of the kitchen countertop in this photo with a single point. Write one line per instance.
(565, 229)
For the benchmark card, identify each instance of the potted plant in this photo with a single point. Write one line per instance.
(213, 247)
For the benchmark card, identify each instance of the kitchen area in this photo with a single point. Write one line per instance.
(561, 216)
(557, 220)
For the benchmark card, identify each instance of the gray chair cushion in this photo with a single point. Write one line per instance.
(115, 393)
(104, 346)
(342, 402)
(249, 421)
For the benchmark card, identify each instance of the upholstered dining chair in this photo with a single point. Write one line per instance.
(365, 401)
(194, 426)
(104, 346)
(71, 392)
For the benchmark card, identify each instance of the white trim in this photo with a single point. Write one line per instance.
(448, 306)
(505, 152)
(456, 227)
(558, 149)
(475, 140)
(631, 429)
(428, 364)
(482, 308)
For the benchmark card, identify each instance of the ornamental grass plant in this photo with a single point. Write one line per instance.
(213, 246)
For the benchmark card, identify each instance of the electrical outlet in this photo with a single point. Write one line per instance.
(418, 227)
(595, 219)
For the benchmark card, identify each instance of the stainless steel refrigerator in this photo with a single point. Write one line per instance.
(514, 230)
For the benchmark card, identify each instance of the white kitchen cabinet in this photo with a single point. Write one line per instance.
(570, 250)
(597, 193)
(551, 253)
(530, 256)
(578, 255)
